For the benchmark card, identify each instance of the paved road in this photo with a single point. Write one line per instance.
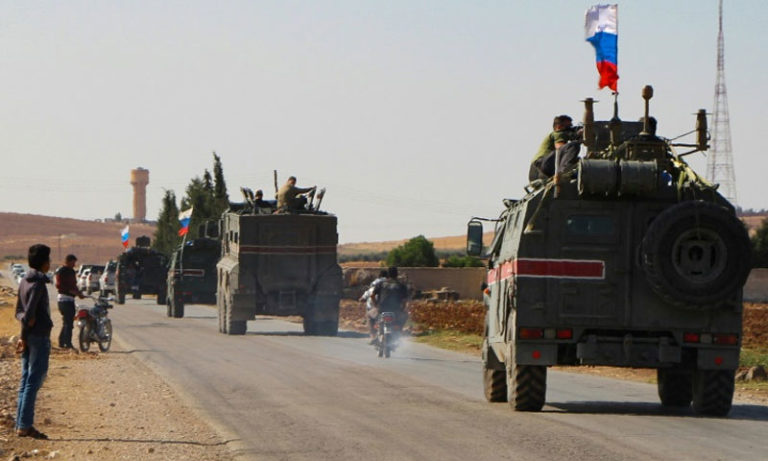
(277, 394)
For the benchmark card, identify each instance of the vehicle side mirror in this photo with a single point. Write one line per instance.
(474, 238)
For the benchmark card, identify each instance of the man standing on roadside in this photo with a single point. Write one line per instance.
(34, 312)
(66, 285)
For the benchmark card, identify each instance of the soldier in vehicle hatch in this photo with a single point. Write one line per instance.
(290, 197)
(259, 202)
(564, 138)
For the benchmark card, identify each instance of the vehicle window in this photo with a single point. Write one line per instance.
(590, 225)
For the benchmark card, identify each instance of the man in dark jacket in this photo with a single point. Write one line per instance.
(66, 284)
(391, 296)
(34, 313)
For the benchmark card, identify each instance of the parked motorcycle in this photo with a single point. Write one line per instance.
(388, 334)
(95, 326)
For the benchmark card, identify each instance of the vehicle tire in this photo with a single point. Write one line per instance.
(120, 297)
(105, 343)
(168, 309)
(323, 318)
(220, 313)
(83, 336)
(136, 295)
(161, 297)
(233, 327)
(675, 387)
(494, 376)
(713, 392)
(177, 306)
(696, 255)
(526, 384)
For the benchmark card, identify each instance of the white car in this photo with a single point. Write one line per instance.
(107, 279)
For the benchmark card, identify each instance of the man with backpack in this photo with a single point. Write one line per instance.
(391, 295)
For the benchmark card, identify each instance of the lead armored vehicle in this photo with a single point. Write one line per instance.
(192, 274)
(629, 259)
(141, 270)
(278, 264)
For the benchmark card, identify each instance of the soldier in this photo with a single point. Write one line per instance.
(259, 202)
(288, 197)
(563, 138)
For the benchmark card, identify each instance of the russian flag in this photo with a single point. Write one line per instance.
(125, 235)
(602, 31)
(184, 218)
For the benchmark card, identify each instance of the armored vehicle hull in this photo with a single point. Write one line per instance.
(192, 275)
(141, 271)
(628, 262)
(279, 264)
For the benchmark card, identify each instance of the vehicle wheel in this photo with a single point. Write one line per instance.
(713, 392)
(161, 297)
(675, 387)
(526, 384)
(168, 308)
(83, 340)
(136, 295)
(323, 317)
(120, 297)
(696, 254)
(234, 327)
(177, 306)
(107, 341)
(494, 376)
(220, 313)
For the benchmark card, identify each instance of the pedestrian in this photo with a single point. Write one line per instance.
(66, 285)
(34, 313)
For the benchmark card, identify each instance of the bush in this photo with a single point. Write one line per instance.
(463, 261)
(760, 246)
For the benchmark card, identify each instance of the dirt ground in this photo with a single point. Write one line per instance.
(100, 407)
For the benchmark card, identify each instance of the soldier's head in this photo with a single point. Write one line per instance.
(392, 272)
(259, 194)
(291, 180)
(562, 122)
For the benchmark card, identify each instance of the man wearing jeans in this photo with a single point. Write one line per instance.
(66, 284)
(34, 312)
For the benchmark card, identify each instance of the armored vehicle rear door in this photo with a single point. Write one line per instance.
(589, 263)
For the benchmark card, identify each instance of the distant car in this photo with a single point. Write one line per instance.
(107, 279)
(17, 269)
(92, 279)
(81, 274)
(20, 276)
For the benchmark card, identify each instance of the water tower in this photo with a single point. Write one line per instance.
(139, 181)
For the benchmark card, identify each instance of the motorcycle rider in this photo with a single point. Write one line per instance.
(370, 307)
(391, 296)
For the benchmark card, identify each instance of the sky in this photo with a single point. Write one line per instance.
(415, 114)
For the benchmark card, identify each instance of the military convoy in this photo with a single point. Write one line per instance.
(630, 260)
(280, 264)
(141, 270)
(192, 274)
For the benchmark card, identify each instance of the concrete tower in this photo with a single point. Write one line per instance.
(139, 181)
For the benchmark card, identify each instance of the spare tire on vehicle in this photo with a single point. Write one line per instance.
(696, 255)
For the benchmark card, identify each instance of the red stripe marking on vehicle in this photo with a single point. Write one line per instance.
(548, 268)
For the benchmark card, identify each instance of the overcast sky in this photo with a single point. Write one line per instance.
(414, 114)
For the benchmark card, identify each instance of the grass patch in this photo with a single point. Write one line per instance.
(451, 340)
(753, 357)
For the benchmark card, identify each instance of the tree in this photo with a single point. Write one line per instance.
(760, 246)
(118, 217)
(219, 185)
(200, 198)
(167, 234)
(416, 252)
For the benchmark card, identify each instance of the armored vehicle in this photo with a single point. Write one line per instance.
(278, 263)
(141, 270)
(630, 259)
(192, 275)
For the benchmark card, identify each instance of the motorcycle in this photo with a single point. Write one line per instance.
(386, 339)
(95, 326)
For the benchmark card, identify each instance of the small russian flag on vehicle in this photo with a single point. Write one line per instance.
(184, 219)
(125, 235)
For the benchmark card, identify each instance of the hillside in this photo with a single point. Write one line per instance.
(91, 241)
(454, 243)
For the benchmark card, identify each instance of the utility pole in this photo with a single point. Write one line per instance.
(720, 161)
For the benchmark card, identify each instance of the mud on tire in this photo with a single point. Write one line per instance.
(494, 376)
(696, 255)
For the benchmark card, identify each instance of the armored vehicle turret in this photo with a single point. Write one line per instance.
(278, 263)
(628, 259)
(141, 270)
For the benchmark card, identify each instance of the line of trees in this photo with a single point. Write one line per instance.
(207, 195)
